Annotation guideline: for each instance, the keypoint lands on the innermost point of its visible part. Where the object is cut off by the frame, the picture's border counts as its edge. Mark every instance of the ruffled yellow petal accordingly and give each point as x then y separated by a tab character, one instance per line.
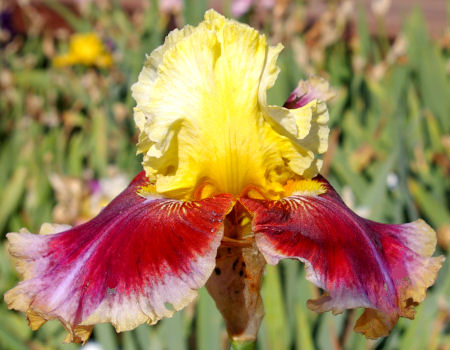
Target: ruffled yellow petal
203	117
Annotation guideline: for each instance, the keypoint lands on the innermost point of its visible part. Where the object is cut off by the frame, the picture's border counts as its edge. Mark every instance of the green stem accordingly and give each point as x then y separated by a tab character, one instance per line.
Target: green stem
243	345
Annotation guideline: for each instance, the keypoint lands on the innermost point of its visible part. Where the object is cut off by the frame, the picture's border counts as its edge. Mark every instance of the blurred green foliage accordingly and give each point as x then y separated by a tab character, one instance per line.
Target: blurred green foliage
389	153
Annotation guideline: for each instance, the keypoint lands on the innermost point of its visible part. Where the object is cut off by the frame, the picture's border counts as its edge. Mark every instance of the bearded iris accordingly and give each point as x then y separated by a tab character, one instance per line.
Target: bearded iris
230	183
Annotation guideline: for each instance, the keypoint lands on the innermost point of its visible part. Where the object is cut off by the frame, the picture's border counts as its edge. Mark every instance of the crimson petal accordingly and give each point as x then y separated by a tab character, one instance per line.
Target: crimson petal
358	262
141	254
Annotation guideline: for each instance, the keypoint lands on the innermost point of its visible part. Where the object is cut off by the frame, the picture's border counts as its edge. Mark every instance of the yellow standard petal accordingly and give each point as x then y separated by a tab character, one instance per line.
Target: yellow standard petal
203	118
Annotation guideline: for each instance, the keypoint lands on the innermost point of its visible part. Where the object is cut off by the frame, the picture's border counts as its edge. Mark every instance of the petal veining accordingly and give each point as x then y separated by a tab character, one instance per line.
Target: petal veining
141	253
203	116
359	263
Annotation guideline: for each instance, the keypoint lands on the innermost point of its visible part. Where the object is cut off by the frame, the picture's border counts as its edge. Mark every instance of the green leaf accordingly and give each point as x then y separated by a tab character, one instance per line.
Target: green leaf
173	332
275	319
376	193
434	209
128	341
425	59
8	342
209	325
194	10
12	194
106	336
304	332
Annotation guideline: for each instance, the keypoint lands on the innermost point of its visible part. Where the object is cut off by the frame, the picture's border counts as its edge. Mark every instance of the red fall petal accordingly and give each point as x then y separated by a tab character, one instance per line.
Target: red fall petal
141	254
357	262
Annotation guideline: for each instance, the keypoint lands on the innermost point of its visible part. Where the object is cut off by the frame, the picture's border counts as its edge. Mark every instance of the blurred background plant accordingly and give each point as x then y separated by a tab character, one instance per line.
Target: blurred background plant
67	142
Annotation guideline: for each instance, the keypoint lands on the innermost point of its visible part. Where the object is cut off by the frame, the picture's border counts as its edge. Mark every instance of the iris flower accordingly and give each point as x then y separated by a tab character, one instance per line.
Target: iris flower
230	183
86	49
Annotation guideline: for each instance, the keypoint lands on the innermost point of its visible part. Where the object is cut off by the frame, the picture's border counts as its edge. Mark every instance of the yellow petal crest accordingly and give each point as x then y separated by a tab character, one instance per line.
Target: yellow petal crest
203	117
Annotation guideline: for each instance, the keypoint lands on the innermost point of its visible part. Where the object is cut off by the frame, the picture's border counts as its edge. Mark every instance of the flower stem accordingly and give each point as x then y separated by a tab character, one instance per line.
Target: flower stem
243	345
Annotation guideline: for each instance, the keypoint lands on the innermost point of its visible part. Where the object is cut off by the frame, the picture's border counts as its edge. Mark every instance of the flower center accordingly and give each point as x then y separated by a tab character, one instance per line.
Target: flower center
238	226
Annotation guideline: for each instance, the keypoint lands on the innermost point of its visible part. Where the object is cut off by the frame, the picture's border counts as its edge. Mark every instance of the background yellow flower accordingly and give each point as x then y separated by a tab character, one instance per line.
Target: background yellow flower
86	49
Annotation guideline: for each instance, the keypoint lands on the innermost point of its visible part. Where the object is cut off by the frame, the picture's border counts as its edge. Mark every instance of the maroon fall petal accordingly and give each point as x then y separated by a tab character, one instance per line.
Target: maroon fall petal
139	260
357	262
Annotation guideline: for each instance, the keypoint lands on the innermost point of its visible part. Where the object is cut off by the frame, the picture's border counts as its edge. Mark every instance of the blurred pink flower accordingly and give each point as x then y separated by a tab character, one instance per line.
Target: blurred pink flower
170	6
240	7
